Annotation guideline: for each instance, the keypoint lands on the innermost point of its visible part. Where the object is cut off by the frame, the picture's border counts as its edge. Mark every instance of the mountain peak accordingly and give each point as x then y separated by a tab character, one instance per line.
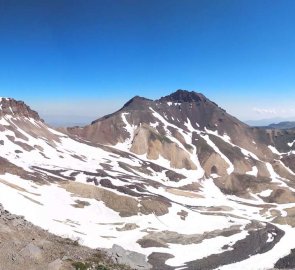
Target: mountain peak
16	108
136	102
183	96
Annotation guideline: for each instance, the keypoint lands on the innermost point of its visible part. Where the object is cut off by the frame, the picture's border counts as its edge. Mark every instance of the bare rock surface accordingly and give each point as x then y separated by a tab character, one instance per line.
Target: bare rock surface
14	107
25	246
134	259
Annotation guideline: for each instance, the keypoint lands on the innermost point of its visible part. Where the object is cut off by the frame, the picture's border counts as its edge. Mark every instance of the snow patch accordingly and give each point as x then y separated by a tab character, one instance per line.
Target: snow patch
253	172
274	150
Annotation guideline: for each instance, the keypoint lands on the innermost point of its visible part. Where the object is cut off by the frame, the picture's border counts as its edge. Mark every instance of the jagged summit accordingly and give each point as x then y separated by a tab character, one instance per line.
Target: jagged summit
10	106
177	108
184	96
179	96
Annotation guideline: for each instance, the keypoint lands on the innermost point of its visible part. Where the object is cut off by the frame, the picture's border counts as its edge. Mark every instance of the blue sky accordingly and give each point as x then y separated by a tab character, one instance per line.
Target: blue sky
85	58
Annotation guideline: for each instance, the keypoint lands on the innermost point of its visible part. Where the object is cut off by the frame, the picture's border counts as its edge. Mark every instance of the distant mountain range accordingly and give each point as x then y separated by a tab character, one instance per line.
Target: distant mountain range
282	125
268	122
177	180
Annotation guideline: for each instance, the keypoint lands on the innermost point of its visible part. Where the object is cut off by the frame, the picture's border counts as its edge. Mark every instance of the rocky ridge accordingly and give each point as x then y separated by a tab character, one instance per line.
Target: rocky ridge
14	108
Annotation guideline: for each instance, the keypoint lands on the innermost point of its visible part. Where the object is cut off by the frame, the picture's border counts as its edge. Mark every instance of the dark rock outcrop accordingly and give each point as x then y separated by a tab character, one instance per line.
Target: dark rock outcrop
9	106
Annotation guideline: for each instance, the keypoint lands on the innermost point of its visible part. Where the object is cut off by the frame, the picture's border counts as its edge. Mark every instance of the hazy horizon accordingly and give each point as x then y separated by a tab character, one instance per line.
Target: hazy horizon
82	112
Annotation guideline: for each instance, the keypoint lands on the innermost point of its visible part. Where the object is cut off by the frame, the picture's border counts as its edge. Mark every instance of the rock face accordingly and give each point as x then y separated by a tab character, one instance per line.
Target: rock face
134	259
148	141
15	220
12	107
31	251
181	96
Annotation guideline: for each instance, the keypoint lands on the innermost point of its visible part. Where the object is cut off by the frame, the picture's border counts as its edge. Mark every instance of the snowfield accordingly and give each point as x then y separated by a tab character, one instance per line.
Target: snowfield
104	195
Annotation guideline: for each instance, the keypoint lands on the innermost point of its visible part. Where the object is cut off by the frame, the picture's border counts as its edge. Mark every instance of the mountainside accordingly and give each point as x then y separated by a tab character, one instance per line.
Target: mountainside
282	125
191	132
176	179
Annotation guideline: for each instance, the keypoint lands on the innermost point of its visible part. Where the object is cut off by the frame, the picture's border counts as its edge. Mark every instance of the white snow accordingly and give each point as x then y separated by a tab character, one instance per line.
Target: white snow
204	249
274	150
253	172
268	259
265	193
270	238
227	139
94	224
154	125
196	174
230	168
291	143
130	129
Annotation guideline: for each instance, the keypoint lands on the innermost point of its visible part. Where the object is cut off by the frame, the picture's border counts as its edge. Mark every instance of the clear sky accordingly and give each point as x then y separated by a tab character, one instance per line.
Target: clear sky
85	58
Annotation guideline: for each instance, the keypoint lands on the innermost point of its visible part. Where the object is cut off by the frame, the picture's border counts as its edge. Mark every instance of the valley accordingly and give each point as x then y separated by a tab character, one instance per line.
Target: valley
177	180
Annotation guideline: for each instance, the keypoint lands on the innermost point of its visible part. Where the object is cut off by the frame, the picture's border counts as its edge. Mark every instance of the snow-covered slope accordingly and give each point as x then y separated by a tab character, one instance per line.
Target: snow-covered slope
177	179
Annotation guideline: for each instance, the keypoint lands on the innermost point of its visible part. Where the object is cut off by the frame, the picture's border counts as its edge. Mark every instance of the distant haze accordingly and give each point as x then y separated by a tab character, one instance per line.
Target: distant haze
266	122
78	113
74	113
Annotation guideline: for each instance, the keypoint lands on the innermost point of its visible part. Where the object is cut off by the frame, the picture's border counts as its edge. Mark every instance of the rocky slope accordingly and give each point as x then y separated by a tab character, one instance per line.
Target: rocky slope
190	131
176	179
25	246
